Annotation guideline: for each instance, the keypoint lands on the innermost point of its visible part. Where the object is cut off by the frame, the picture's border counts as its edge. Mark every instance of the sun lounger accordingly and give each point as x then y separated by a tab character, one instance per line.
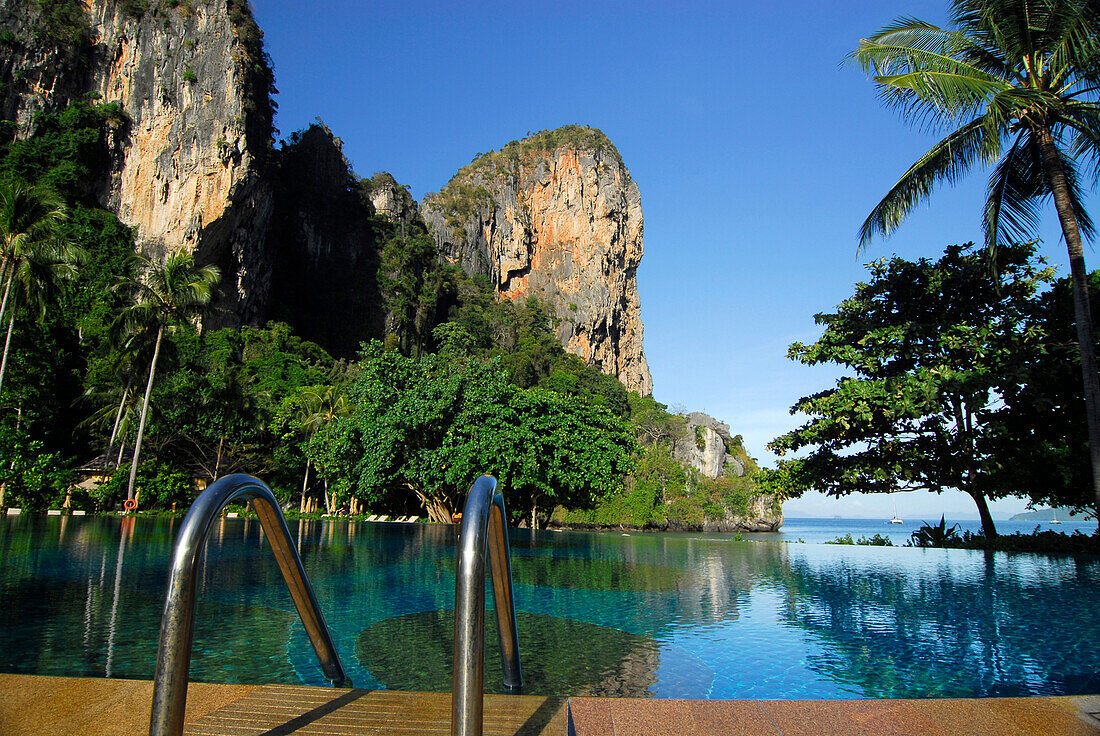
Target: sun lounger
53	512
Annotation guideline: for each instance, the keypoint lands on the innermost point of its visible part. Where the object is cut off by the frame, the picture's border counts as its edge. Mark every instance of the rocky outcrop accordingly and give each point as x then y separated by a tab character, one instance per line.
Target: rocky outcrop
556	216
706	447
187	171
390	199
322	246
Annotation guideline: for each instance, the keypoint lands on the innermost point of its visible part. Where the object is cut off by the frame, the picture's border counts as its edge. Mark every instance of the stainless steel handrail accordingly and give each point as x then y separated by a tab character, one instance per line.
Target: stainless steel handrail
178	621
484	526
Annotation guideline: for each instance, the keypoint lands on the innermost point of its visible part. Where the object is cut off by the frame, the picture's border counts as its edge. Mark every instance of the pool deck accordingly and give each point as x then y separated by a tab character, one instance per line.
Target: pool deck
32	705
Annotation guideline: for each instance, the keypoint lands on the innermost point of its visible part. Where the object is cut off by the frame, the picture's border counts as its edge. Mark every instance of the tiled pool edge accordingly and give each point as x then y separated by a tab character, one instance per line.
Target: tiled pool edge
34	705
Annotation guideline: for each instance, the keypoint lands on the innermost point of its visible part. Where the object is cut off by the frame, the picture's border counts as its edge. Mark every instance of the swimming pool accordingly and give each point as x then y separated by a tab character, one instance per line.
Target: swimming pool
670	615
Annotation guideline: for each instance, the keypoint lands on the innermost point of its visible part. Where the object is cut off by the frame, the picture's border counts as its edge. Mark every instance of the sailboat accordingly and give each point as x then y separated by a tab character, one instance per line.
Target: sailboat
894	519
1054	519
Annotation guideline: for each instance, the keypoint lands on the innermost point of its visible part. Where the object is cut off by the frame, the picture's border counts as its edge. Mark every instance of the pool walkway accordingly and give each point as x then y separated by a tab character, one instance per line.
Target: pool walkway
33	705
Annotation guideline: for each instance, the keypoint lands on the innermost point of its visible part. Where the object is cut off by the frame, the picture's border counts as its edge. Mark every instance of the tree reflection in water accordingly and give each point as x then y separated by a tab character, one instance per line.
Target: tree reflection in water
949	623
682	615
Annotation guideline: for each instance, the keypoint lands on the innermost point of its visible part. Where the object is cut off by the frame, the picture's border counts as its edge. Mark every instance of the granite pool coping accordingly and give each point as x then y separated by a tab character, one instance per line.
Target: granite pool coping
36	705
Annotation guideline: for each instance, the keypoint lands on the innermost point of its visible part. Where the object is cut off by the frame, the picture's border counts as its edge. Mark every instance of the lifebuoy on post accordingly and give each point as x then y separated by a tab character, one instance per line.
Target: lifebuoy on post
130	504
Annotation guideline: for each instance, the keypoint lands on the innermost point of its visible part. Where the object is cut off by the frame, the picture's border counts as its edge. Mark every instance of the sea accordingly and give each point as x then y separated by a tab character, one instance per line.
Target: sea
820	531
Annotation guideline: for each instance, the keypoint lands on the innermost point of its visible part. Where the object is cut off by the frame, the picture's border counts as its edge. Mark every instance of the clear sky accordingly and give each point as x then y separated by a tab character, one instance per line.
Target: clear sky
757	153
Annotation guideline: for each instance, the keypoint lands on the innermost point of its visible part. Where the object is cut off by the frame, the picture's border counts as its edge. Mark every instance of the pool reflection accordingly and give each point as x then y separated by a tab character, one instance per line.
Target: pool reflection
686	615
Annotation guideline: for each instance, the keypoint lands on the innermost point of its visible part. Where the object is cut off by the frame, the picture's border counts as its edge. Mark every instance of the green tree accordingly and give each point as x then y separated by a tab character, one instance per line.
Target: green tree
1015	73
417	426
426	427
1045	421
934	347
552	449
166	296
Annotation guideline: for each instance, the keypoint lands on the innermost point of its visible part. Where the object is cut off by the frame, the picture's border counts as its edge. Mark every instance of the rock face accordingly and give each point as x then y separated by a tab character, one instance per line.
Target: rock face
322	246
555	216
187	171
390	199
706	447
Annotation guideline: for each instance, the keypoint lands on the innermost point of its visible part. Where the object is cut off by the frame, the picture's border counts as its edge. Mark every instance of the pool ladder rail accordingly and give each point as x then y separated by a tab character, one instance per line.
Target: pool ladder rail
484	529
178	620
484	532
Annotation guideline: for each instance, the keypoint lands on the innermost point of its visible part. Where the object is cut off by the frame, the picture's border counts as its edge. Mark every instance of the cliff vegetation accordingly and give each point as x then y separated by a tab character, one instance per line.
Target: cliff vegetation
359	366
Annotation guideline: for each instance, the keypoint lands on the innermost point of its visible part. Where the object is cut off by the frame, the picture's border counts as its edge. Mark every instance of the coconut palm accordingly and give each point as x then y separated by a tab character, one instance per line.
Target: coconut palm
36	270
167	296
320	406
1014	84
28	216
131	351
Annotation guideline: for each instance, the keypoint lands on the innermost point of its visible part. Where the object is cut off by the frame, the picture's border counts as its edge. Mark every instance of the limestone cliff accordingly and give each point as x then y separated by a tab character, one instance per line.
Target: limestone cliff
194	83
322	246
706	447
557	216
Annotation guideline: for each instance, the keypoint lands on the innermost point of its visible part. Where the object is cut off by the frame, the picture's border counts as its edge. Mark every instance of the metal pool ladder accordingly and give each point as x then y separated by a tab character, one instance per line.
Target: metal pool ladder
484	527
178	620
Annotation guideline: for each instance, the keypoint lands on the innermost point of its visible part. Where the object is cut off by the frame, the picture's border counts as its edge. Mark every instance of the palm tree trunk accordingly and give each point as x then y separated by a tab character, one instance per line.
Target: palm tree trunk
1059	187
118	421
7	287
218	461
7	346
144	411
305	483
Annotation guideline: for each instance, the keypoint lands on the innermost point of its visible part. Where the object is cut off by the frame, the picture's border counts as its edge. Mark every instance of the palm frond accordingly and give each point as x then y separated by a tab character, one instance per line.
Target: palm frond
943	98
948	160
1012	207
1083	118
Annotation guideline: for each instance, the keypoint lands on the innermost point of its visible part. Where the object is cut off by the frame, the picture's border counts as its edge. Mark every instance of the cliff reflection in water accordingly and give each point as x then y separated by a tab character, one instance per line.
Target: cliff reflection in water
671	615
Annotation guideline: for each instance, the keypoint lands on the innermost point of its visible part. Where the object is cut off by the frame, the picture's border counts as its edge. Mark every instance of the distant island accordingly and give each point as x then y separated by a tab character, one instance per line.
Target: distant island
1063	514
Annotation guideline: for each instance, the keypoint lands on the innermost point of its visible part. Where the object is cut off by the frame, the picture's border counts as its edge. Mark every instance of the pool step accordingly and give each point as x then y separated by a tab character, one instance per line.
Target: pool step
307	711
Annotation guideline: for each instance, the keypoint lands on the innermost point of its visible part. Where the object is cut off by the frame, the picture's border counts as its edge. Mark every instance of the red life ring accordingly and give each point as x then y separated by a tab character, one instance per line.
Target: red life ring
129	504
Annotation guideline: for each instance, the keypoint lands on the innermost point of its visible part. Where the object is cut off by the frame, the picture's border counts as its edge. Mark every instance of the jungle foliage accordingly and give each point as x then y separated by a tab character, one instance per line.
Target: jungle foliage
460	383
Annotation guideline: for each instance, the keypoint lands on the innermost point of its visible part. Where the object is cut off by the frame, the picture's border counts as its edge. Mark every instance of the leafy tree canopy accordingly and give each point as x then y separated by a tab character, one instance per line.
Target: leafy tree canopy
426	426
932	347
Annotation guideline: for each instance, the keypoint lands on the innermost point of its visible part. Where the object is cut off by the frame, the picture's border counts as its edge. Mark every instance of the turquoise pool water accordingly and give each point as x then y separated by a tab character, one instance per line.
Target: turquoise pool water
695	616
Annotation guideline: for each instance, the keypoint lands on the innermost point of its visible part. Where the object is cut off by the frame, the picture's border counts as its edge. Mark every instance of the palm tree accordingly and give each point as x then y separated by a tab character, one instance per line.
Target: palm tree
28	216
1015	83
167	296
131	351
320	406
36	269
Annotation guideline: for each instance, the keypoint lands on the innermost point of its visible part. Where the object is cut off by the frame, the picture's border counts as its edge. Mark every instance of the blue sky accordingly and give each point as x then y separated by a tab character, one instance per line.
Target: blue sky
756	152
